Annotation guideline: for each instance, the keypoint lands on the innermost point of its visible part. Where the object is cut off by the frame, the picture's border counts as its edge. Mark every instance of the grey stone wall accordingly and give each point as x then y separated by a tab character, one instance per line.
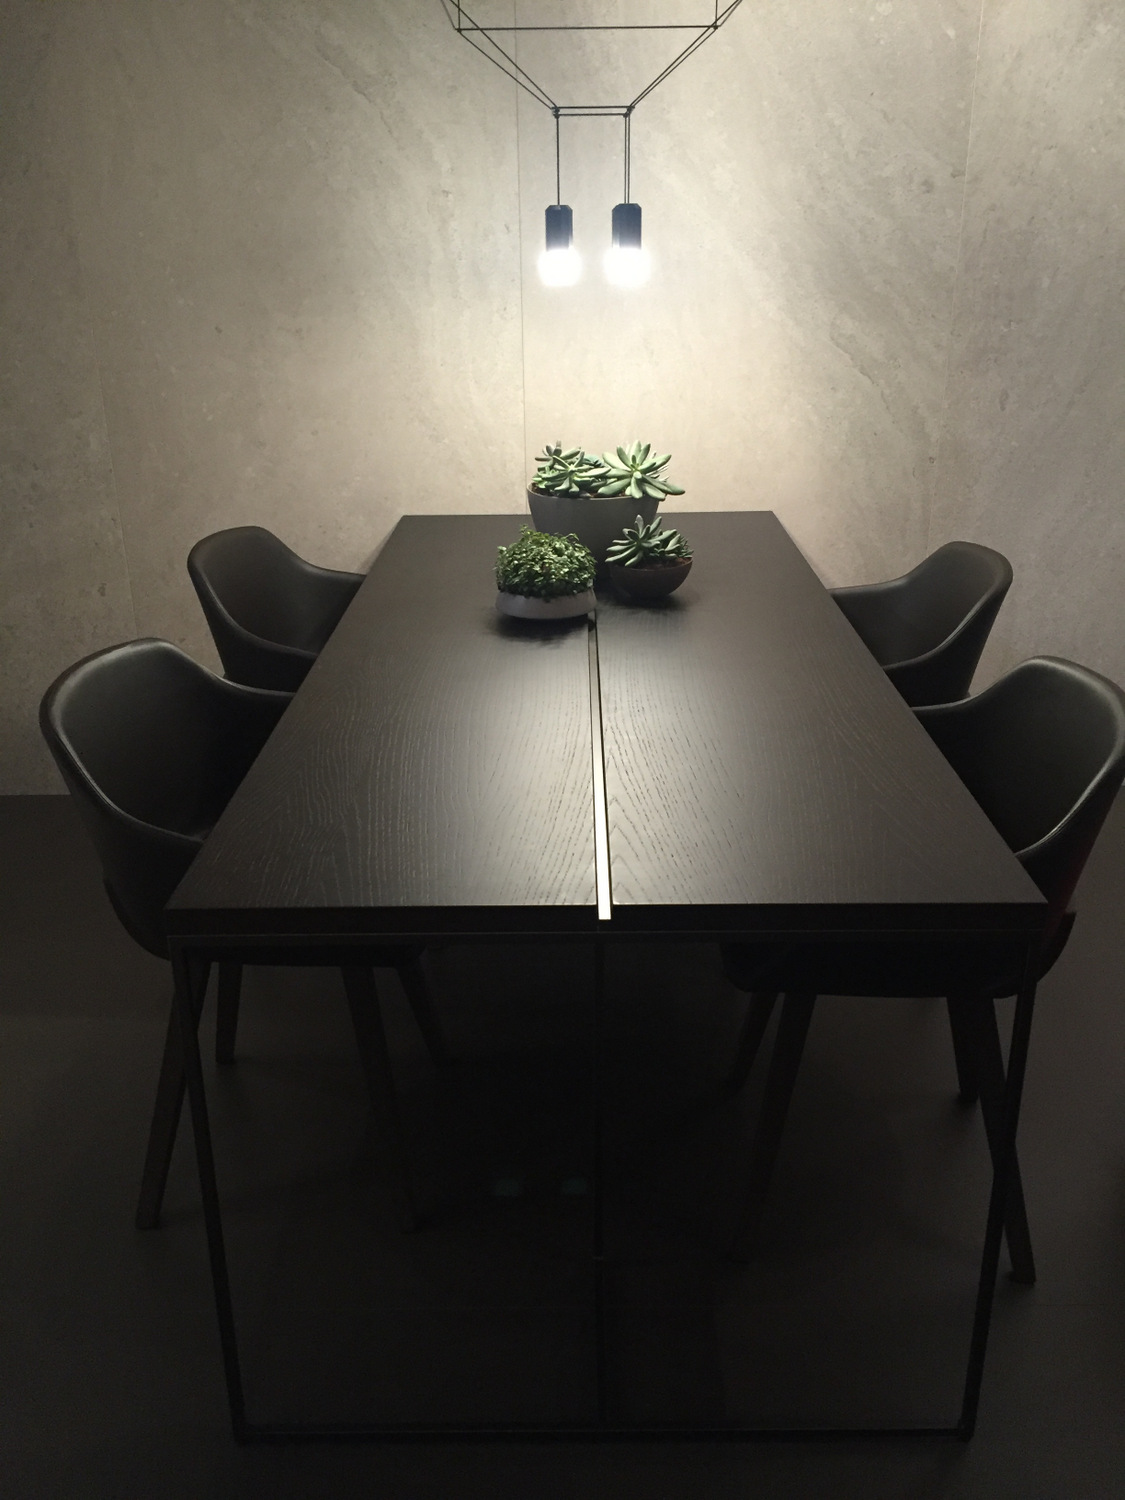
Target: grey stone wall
273	261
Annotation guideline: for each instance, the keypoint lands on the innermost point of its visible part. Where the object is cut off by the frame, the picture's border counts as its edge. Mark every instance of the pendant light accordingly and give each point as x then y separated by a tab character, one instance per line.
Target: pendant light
559	262
626	261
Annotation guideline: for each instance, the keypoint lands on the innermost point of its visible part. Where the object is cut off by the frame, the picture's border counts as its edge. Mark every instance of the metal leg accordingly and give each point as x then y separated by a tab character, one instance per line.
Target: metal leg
758	1014
600	1348
1003	1161
973	1018
190	977
968	1085
226	1019
363	1000
793	1028
990	1066
165	1119
416	986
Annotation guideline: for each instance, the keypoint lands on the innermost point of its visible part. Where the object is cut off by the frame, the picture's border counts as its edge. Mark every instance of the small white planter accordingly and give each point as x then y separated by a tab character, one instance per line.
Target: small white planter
562	608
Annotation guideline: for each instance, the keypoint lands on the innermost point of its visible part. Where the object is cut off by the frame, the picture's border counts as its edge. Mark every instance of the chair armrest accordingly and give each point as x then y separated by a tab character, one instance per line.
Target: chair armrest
333	590
950	725
249	716
878	614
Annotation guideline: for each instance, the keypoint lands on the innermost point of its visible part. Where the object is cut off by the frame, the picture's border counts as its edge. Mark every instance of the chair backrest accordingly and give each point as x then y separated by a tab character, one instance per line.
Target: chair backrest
929	627
1043	752
151	746
269	611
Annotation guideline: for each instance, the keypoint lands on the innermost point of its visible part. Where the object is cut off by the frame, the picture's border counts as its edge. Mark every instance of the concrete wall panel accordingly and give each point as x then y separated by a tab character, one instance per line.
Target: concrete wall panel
274	261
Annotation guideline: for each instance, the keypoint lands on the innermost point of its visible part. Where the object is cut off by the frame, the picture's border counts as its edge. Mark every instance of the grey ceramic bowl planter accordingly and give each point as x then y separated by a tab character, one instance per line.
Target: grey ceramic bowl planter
656	581
596	521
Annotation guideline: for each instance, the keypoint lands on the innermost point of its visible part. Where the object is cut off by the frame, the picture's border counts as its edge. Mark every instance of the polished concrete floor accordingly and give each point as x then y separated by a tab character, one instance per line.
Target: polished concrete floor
854	1311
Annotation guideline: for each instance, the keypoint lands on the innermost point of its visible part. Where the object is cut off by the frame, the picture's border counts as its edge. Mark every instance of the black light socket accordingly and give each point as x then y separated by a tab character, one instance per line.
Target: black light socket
626	226
560	226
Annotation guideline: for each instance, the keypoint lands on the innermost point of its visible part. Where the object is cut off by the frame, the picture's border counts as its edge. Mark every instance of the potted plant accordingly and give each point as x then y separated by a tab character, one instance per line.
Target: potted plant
575	492
648	562
542	576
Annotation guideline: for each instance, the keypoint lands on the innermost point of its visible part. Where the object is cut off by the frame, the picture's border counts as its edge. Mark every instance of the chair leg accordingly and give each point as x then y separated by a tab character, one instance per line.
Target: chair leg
968	1085
793	1028
371	1039
165	1117
758	1014
226	1019
412	976
980	1023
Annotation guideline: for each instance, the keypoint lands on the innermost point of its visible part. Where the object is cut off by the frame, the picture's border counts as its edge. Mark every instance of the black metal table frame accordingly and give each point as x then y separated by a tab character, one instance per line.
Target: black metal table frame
191	956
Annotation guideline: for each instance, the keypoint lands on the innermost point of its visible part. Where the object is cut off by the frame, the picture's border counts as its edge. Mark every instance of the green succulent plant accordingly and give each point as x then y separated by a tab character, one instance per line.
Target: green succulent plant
540	565
647	544
637	472
568	471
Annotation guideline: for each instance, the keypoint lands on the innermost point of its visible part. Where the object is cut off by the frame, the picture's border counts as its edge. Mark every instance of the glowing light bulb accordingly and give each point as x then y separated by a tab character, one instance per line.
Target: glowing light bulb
560	266
627	265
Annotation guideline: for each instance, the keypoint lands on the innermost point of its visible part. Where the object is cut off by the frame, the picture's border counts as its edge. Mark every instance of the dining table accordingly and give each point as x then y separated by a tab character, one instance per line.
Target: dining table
727	763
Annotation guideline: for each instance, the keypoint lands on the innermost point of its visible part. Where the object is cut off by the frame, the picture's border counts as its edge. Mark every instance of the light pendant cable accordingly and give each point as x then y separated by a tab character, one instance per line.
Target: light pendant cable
559	262
626	260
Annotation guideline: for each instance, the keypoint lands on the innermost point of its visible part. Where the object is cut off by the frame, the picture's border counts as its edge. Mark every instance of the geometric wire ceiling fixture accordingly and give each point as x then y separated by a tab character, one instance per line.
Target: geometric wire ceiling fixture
626	263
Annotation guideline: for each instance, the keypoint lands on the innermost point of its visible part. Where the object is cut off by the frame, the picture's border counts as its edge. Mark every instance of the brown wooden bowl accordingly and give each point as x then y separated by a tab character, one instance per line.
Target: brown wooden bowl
654	582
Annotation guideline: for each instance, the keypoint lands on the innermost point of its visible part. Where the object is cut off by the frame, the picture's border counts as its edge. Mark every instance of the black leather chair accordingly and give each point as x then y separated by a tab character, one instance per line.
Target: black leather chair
928	628
151	746
269	611
1043	752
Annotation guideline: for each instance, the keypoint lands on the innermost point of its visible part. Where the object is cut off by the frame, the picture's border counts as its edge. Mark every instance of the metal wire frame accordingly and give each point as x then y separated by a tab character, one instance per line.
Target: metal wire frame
465	26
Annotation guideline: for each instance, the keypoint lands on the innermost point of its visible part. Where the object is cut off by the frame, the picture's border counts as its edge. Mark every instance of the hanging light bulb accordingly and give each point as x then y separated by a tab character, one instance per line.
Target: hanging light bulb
626	262
559	263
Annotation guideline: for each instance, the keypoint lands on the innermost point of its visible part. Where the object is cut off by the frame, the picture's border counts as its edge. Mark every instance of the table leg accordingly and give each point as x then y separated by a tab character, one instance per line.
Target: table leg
1003	1161
599	1185
758	1012
978	1024
190	975
792	1029
165	1118
374	1055
226	1015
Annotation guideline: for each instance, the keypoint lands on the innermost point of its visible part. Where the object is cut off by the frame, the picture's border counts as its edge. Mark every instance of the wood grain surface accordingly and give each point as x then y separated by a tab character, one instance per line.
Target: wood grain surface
762	772
433	773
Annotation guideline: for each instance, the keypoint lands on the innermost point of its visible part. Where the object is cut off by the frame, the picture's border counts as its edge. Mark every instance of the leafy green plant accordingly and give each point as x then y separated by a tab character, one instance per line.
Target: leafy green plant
540	565
638	472
647	546
568	471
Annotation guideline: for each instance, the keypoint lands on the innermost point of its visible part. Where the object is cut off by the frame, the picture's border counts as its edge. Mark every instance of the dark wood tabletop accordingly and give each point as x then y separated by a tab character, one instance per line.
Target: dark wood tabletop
761	770
436	772
433	773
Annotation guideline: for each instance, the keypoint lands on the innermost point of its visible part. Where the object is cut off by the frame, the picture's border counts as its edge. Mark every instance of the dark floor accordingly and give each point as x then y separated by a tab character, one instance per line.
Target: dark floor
856	1310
